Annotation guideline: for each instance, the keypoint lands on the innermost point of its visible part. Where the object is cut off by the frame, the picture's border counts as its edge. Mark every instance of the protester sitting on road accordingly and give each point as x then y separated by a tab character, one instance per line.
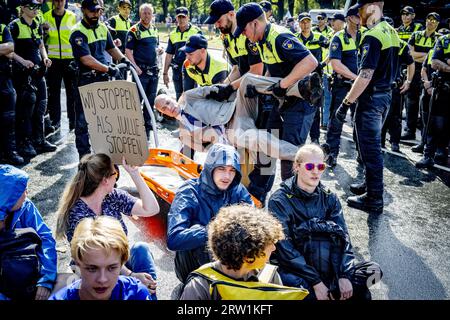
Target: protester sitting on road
317	253
241	239
17	212
100	248
197	201
232	120
91	193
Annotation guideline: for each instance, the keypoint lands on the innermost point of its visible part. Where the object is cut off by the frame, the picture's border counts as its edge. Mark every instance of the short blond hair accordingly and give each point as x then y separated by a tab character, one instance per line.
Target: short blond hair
146	5
103	232
308	149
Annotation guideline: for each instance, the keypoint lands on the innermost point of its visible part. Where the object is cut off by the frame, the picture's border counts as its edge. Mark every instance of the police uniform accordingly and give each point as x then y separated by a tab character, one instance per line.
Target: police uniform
421	43
280	52
241	52
144	43
344	48
31	89
405	32
120	27
438	131
88	40
327	32
60	52
379	49
215	71
393	121
315	43
177	39
8	109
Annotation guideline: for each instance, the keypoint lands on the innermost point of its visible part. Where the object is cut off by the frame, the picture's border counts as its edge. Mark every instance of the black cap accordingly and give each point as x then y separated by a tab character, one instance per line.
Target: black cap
389	20
195	42
304	15
247	13
444	31
338	16
434	15
90	5
266	5
322	14
125	2
27	2
352	11
361	3
407	9
217	9
181	11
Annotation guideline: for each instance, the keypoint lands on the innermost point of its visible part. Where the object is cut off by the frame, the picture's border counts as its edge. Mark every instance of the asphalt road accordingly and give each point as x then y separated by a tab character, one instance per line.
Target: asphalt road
410	240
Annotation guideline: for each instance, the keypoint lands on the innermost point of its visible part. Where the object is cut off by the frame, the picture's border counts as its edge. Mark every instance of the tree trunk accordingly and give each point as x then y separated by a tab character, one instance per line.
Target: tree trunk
280	9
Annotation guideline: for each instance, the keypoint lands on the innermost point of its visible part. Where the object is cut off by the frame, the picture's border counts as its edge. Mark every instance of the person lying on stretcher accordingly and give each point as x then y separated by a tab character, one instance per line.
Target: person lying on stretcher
203	119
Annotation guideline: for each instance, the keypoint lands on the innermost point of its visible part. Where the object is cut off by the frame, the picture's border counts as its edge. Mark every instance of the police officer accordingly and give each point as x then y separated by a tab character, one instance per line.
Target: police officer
420	43
143	49
408	26
8	98
371	90
322	26
89	39
438	136
201	68
315	42
337	22
267	7
29	81
121	23
242	54
59	22
344	60
174	57
285	57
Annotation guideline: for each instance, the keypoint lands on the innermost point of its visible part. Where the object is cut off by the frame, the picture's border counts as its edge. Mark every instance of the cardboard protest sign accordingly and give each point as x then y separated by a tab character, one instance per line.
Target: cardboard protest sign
114	116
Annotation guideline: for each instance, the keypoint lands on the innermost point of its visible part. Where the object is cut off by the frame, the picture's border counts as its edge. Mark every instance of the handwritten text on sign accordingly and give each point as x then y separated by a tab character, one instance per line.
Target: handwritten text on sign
114	116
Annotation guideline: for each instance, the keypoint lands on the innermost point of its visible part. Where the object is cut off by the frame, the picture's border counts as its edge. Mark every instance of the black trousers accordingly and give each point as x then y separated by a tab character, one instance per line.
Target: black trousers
412	100
187	261
7	115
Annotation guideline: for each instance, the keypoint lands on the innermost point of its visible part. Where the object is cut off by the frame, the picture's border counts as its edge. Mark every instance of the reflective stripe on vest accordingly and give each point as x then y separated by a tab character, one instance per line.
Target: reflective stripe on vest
424	42
93	35
236	47
268	49
178	36
150	32
121	25
2	27
405	35
58	39
205	79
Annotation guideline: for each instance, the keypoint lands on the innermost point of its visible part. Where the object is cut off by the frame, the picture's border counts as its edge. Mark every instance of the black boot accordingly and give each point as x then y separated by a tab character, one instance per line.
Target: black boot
418	148
441	157
26	149
44	146
366	203
358	188
12	157
425	163
395	147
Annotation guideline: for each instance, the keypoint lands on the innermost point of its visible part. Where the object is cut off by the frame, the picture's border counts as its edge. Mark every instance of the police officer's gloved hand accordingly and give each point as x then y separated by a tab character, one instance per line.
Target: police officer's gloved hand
114	72
277	91
224	91
341	112
126	61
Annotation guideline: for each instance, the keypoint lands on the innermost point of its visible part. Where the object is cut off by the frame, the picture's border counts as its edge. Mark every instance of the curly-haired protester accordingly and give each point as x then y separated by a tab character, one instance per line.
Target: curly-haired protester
241	239
317	253
100	248
91	193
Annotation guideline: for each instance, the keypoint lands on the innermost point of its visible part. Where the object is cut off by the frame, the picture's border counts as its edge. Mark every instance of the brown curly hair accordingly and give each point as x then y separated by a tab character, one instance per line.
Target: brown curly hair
240	233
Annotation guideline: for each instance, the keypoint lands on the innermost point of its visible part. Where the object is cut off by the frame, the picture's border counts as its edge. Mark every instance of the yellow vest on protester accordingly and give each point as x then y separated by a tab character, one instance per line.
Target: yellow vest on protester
58	39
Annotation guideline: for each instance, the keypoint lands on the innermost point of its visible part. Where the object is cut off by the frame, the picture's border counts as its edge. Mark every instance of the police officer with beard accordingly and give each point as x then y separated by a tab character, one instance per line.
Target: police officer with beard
89	40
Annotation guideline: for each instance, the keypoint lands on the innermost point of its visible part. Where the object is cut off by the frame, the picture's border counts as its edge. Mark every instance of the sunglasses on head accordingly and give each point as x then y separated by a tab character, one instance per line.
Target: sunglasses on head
311	166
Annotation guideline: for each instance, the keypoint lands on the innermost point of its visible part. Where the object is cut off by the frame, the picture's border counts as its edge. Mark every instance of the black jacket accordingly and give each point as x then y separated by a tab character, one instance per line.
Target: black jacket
302	214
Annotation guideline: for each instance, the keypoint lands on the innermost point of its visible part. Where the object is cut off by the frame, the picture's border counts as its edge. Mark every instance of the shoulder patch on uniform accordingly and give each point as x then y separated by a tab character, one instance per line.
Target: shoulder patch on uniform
365	49
79	40
130	37
334	46
253	48
288	44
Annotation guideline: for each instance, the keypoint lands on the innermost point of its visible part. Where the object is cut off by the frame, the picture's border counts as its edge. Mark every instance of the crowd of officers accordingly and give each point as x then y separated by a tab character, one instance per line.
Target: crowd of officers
41	48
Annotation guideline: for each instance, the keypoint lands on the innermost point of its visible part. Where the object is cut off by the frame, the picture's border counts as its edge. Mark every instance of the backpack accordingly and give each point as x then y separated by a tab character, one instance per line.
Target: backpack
223	287
19	263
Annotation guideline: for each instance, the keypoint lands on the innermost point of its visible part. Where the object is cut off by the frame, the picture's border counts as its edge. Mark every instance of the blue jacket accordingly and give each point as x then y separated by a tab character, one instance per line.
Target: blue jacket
198	200
13	183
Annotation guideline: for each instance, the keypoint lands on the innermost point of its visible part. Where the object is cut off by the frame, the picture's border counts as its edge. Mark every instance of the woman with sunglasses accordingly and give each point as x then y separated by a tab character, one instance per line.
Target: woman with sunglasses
317	253
91	193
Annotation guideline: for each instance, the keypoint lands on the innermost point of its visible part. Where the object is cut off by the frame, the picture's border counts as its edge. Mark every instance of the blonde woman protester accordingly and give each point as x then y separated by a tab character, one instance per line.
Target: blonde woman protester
91	193
100	248
241	239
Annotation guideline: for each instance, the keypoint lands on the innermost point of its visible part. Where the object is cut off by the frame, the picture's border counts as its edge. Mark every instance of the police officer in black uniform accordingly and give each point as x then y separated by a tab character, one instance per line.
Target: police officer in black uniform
439	124
284	56
8	101
174	56
121	23
420	43
89	40
29	70
409	26
372	91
